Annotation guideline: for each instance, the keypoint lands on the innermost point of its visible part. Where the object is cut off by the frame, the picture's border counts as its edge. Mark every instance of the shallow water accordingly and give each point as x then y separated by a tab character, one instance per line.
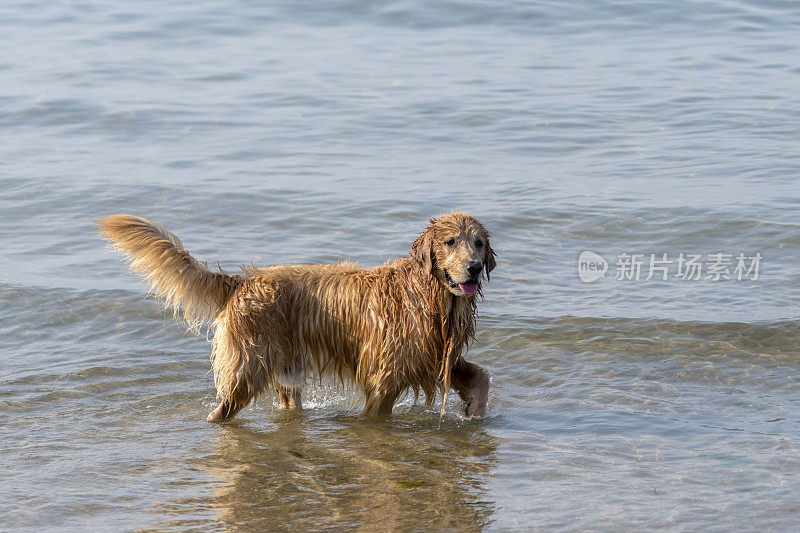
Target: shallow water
310	133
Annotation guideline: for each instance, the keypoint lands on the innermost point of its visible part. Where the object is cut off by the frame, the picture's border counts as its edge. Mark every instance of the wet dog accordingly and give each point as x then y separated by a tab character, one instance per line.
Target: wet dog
401	326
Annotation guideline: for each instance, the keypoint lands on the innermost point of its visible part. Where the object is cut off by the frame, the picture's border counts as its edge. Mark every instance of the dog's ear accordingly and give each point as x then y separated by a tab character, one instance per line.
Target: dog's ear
490	260
422	249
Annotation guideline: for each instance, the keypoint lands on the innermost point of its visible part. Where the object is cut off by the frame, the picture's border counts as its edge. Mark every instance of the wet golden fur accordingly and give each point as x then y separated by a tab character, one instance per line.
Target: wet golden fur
400	326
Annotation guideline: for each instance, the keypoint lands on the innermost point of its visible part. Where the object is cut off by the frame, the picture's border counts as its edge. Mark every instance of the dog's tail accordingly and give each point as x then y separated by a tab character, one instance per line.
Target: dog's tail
174	276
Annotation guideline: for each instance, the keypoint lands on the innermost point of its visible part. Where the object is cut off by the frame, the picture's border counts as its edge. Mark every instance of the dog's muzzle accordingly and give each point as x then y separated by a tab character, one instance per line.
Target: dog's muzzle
469	286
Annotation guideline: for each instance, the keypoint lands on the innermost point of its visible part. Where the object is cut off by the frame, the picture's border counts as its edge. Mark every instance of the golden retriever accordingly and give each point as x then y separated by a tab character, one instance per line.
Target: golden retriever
389	329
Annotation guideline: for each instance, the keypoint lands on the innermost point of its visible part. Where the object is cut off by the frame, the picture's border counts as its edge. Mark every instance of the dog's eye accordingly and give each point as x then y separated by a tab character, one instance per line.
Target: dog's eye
479	244
450	242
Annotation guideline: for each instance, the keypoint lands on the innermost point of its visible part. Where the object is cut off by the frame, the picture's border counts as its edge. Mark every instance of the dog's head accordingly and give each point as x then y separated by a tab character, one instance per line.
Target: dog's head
455	250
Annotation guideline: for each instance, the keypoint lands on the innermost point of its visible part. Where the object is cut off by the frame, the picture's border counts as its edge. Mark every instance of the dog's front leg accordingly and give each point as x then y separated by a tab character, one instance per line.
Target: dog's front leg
472	384
380	401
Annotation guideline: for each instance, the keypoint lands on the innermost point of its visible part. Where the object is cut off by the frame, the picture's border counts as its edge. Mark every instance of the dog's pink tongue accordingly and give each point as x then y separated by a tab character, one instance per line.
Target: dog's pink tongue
469	287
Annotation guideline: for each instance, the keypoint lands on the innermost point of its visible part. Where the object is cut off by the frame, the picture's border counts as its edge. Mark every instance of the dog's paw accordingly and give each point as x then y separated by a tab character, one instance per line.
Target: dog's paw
474	409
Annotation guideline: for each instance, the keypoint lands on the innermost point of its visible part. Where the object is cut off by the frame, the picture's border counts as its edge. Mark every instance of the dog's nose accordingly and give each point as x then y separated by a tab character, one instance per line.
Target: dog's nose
475	268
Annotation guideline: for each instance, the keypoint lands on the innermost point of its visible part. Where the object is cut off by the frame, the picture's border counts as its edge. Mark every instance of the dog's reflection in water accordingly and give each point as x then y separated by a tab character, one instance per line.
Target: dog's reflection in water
313	471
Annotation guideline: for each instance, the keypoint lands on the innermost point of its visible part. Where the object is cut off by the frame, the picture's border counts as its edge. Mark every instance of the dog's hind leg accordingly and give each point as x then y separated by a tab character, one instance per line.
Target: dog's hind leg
290	398
472	384
235	402
290	385
240	376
